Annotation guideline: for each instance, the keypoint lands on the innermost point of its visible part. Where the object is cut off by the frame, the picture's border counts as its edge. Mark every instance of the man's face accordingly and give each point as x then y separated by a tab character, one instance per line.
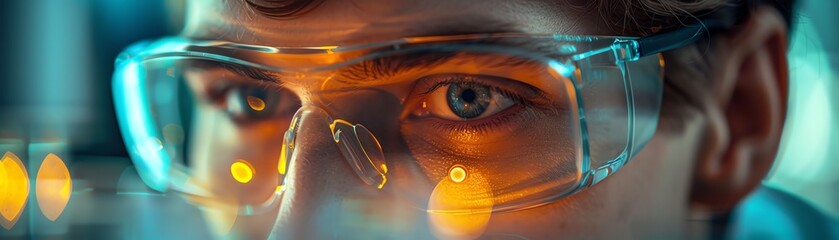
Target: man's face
324	196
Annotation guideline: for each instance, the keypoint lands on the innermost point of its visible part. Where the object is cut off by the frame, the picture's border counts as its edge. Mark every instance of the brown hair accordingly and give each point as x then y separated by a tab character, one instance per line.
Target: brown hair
641	17
282	9
630	16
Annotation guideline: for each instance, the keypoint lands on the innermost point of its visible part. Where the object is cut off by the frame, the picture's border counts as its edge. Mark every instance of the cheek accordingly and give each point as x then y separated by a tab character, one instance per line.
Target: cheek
581	215
218	143
656	183
535	151
649	192
531	149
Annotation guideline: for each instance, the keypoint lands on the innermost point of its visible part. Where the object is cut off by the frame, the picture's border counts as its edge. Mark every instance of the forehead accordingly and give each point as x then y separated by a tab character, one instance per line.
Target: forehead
345	22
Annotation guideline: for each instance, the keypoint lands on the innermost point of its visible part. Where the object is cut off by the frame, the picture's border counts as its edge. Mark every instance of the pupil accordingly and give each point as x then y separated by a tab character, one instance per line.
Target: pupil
468	100
468	95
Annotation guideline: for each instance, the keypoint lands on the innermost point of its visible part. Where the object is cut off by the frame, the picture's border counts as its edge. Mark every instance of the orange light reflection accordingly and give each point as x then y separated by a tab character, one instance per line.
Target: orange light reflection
15	189
281	167
257	104
242	171
53	186
460	210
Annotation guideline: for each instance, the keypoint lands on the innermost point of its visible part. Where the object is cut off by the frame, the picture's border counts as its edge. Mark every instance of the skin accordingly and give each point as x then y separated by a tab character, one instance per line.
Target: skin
717	137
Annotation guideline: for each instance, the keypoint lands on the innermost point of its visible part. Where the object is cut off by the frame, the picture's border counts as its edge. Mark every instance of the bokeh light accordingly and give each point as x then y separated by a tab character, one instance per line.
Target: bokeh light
457	173
460	210
15	191
242	171
282	165
53	186
257	104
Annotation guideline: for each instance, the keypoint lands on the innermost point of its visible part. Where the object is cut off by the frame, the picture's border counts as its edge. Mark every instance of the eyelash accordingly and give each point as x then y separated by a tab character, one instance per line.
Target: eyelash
520	100
253	73
525	107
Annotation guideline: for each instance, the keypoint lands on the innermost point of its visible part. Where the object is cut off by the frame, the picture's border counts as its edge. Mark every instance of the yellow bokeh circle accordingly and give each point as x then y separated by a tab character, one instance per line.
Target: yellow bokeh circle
242	171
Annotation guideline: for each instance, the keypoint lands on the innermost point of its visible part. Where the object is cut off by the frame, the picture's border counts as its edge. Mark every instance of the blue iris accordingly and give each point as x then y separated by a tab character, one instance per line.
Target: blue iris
468	100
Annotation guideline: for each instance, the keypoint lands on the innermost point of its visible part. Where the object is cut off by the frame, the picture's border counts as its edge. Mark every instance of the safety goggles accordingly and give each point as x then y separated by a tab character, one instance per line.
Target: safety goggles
468	123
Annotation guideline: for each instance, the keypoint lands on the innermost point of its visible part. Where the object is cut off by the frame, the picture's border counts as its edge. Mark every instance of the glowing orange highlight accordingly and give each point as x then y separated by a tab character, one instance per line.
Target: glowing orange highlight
14	189
460	210
281	167
661	60
53	186
242	171
457	173
3	179
257	104
329	49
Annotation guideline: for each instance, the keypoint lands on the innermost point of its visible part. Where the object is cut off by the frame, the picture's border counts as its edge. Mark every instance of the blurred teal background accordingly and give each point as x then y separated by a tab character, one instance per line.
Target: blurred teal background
55	97
808	162
56	90
58	61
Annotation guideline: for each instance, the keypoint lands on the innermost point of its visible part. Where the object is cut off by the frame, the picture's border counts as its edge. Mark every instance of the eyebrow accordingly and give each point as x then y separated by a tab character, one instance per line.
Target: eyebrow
382	68
388	66
441	27
363	71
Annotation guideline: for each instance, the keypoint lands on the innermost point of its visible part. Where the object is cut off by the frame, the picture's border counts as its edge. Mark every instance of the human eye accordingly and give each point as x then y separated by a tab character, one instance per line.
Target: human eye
248	103
243	94
463	98
466	100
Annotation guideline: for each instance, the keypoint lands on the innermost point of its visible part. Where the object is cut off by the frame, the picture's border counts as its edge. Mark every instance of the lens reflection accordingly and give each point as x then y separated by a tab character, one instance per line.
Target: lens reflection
457	173
242	171
257	104
16	189
53	186
450	197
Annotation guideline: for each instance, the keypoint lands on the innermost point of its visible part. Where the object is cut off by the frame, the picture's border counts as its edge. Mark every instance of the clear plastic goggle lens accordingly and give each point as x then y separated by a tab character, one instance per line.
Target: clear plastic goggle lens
492	126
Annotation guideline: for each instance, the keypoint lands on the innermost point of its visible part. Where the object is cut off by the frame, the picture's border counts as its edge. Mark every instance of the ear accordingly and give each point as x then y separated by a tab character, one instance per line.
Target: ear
746	112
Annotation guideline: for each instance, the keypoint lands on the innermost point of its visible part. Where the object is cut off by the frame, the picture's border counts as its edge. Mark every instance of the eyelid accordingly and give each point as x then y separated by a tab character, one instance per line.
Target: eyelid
518	91
223	78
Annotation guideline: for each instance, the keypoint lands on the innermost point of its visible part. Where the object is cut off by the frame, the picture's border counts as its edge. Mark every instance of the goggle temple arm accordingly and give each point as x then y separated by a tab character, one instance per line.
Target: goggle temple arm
681	37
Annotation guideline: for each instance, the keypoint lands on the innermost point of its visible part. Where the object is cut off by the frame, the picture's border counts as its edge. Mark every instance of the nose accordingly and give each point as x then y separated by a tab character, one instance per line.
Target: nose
318	179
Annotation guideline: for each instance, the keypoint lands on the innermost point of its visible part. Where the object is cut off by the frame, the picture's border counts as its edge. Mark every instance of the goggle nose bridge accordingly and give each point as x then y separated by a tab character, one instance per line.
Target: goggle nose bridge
356	143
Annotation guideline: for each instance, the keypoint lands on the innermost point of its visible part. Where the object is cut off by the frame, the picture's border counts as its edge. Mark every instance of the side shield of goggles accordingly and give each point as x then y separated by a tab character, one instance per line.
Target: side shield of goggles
493	122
